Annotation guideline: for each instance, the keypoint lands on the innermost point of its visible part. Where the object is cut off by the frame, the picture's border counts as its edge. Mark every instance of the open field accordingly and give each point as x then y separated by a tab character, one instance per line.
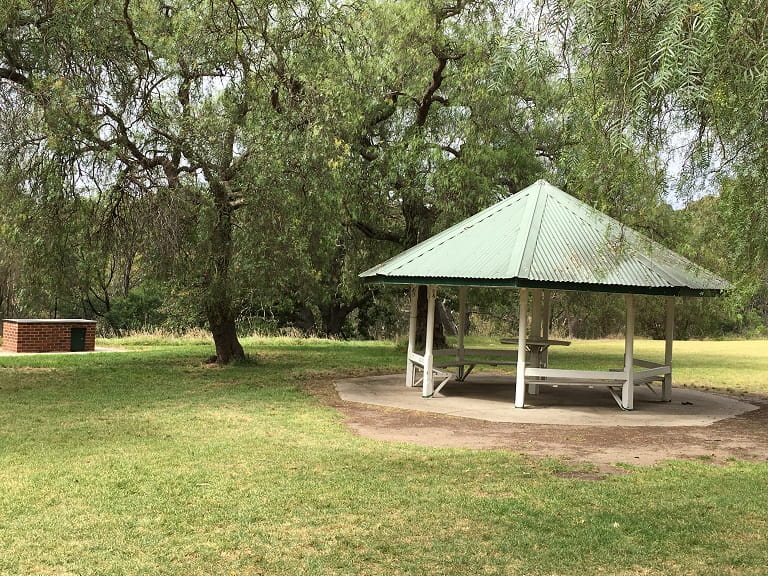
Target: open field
733	366
150	462
730	365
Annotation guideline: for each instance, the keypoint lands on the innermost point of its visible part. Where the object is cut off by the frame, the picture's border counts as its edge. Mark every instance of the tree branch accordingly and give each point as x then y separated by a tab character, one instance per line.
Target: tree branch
16	77
123	137
138	43
377	233
450	149
381	113
430	97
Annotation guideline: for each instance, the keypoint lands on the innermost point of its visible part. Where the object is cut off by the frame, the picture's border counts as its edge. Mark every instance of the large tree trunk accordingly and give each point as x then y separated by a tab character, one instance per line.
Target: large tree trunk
419	220
224	331
421	324
332	318
219	306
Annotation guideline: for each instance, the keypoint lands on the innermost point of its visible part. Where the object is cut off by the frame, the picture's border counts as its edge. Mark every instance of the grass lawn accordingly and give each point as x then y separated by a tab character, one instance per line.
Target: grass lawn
733	366
149	462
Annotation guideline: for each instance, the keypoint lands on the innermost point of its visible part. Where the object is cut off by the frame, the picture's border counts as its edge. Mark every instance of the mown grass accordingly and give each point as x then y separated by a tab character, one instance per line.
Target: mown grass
150	462
735	366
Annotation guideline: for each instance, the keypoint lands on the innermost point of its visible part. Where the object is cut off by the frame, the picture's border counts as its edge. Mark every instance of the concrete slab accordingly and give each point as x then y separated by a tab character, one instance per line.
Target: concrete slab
490	397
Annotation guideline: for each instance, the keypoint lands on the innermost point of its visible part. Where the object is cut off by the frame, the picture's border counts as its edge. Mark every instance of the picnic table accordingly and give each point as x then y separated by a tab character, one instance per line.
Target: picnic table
538	348
464	360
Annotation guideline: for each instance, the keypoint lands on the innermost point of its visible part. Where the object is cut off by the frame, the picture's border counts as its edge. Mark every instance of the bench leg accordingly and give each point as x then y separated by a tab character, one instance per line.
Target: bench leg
446	378
465	373
616	396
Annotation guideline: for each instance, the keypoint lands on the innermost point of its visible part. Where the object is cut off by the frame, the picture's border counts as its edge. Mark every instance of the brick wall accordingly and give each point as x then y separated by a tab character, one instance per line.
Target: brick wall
42	336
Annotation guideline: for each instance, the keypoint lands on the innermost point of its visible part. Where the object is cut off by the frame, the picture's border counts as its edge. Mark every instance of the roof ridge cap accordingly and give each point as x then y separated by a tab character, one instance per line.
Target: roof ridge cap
534	229
516	261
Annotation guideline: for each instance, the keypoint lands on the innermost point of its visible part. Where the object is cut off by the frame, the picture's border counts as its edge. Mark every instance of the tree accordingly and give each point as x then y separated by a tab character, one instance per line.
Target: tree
429	132
183	102
688	76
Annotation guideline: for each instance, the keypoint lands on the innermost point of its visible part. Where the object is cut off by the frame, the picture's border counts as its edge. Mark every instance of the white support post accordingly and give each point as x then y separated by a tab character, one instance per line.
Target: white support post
666	387
410	374
628	389
536	317
546	319
546	314
462	331
428	385
522	329
536	306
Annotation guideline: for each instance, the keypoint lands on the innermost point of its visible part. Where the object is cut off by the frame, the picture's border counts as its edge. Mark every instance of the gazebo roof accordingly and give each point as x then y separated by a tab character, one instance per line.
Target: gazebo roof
542	237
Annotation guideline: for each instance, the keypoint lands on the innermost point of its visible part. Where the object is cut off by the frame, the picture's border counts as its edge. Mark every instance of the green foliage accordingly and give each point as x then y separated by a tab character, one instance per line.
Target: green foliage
140	310
150	462
205	163
680	74
178	106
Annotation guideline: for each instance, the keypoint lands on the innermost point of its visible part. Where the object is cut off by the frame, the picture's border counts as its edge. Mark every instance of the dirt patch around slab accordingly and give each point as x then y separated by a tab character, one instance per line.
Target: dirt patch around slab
744	437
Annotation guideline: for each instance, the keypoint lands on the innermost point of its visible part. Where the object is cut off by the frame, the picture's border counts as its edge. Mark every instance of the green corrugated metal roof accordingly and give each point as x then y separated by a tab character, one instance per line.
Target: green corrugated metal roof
542	237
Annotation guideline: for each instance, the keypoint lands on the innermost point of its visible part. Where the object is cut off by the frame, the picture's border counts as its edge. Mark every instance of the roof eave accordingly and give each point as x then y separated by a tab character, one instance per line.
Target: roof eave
549	285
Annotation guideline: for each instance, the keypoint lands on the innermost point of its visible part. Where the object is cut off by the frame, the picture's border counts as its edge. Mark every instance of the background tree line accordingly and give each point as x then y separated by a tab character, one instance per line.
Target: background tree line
234	165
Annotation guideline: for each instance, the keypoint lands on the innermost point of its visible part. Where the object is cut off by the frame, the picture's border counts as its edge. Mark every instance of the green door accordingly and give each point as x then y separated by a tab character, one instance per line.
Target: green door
78	340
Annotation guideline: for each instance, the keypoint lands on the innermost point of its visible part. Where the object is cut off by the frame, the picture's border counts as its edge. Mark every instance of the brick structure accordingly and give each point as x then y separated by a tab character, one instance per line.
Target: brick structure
40	335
